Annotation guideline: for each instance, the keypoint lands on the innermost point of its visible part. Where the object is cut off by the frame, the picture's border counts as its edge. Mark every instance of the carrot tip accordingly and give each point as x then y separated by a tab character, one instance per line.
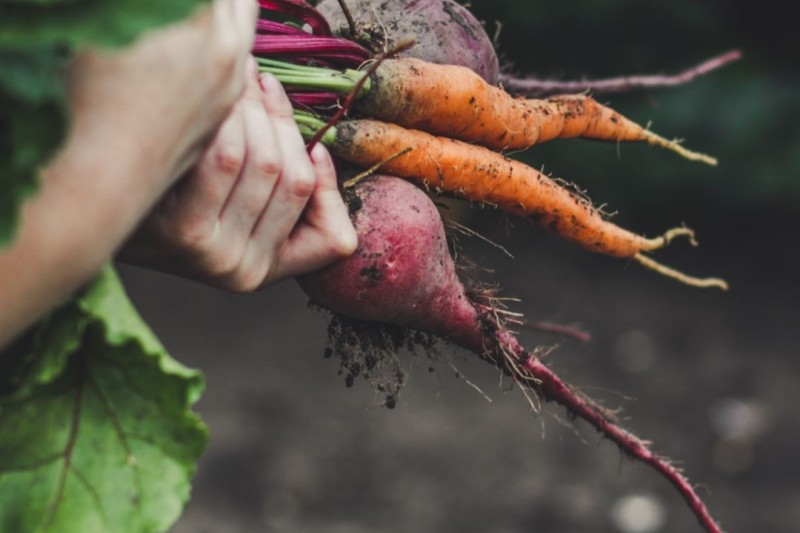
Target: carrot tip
702	283
675	146
669	236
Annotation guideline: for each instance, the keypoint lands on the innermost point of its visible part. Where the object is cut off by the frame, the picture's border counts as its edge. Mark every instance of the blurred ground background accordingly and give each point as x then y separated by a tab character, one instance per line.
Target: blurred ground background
713	379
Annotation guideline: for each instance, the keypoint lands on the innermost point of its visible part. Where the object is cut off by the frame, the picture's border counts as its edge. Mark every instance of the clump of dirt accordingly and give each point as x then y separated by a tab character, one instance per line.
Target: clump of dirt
370	351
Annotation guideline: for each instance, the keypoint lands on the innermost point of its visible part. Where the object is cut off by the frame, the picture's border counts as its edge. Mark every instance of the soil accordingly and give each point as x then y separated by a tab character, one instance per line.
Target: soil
711	378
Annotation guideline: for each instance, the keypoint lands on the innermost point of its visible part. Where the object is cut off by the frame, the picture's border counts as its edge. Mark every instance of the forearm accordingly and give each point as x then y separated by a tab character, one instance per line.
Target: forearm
140	116
91	198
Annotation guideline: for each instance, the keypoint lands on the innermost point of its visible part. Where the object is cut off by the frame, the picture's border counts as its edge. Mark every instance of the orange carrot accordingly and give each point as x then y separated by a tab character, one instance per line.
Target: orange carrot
481	175
488	177
454	101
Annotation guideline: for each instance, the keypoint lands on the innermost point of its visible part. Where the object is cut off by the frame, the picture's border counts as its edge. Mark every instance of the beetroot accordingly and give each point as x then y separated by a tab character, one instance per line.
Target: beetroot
445	31
402	272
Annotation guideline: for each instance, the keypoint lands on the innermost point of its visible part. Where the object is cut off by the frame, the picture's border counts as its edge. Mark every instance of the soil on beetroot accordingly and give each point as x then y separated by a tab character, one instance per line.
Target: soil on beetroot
711	378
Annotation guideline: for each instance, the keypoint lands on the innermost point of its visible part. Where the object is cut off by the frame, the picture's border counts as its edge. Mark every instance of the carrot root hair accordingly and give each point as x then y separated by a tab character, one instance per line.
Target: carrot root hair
668	237
700	283
352	182
675	146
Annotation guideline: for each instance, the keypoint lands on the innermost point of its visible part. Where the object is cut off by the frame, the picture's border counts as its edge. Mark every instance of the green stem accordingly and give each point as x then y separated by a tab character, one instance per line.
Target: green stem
314	78
274	63
309	125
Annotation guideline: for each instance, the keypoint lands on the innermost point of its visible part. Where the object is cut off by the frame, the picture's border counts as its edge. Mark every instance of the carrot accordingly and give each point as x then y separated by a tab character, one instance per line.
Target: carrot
454	101
482	175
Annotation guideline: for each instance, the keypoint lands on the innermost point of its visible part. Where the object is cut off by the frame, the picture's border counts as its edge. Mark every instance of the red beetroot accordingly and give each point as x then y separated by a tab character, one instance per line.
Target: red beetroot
402	274
445	31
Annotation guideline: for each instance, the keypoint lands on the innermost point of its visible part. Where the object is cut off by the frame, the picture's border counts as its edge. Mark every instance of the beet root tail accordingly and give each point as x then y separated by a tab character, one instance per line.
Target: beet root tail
529	371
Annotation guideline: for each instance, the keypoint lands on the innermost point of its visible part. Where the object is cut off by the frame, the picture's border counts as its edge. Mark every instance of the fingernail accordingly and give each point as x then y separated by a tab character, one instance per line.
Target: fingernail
319	154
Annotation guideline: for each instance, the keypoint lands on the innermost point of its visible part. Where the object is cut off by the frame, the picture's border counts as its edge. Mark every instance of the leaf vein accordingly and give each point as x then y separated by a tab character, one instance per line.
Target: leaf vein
130	458
71	439
92	493
32	466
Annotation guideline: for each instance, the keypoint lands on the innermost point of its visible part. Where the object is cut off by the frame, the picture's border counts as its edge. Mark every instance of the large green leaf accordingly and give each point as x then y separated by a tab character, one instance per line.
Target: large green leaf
96	431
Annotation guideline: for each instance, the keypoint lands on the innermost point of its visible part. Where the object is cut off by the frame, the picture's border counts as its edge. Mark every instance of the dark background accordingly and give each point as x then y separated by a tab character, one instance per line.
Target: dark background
711	378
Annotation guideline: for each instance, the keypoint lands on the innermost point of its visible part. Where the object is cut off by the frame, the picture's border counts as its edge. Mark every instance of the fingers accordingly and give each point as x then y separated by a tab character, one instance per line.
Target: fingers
326	211
200	198
296	181
256	208
325	232
262	166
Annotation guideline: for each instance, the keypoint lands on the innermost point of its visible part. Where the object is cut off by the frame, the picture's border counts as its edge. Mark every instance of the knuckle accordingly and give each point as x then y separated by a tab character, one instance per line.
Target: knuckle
223	266
269	167
228	161
301	184
193	236
244	280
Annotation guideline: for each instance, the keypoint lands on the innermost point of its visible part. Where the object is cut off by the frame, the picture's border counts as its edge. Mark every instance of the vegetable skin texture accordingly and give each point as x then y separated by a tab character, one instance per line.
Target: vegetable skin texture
484	176
401	273
446	32
455	102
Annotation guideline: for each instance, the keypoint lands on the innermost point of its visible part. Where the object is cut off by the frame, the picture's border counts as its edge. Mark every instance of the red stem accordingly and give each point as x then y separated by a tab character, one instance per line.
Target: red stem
552	388
313	99
310	46
278	28
561	329
351	98
301	10
536	87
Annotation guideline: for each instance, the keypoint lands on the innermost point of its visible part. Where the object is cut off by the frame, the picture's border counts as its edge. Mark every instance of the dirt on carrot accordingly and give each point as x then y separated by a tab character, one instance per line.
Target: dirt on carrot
455	102
481	175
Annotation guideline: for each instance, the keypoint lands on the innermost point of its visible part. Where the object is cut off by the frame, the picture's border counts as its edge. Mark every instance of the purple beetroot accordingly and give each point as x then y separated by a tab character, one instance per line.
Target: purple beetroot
445	31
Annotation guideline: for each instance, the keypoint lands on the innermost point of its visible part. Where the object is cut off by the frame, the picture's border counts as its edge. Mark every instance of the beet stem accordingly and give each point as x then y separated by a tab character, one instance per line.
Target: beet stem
301	10
536	87
538	376
561	329
355	93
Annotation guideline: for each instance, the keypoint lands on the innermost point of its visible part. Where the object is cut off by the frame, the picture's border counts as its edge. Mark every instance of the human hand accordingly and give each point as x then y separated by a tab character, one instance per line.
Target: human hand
140	117
255	209
158	102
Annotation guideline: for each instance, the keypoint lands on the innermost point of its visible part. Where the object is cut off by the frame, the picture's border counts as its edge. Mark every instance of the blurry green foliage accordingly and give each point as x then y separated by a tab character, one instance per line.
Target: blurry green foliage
745	114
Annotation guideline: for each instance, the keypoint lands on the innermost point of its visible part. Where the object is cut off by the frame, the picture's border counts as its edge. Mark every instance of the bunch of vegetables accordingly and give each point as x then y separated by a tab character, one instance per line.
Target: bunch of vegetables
434	116
97	431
